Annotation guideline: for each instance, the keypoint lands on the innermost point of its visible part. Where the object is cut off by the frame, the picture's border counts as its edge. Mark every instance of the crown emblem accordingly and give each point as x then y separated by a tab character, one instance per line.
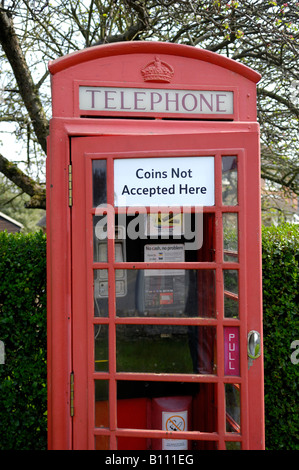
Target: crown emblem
157	71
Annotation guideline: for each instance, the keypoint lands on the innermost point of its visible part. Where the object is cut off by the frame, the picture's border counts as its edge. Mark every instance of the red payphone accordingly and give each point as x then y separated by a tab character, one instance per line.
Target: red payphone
153	251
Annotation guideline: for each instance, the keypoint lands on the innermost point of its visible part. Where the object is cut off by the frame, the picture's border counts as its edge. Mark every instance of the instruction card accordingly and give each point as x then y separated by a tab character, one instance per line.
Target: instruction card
164	253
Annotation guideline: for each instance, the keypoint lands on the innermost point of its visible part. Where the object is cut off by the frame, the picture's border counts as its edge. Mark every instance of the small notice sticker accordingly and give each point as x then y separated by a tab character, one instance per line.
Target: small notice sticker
173	422
173	253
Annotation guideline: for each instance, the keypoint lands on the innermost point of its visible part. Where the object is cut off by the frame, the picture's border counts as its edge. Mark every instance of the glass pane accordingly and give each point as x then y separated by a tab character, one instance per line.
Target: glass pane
140	405
191	240
100	246
102	442
165	349
229	181
100	249
101	403
177	237
167	293
233	407
230	237
231	290
133	443
101	348
233	445
99	188
101	293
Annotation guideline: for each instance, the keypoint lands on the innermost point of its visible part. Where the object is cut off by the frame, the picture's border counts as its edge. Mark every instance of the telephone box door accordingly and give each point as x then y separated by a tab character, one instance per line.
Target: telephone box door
166	290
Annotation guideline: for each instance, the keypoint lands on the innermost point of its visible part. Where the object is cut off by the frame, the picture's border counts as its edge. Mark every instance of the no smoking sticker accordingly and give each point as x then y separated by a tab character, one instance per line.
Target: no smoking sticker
175	423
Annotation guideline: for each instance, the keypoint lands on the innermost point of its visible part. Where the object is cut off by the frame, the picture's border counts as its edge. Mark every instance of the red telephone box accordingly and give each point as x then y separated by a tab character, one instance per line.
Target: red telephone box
154	253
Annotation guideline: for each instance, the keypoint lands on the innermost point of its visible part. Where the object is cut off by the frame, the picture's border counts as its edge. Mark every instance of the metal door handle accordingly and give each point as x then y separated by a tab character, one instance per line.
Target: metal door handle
253	344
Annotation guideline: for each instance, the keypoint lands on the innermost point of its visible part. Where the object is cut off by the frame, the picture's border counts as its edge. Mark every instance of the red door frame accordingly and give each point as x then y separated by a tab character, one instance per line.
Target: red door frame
245	143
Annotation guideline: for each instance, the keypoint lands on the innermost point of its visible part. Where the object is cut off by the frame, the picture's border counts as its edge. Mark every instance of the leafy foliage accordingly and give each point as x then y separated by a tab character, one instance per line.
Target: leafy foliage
23	330
23	394
281	299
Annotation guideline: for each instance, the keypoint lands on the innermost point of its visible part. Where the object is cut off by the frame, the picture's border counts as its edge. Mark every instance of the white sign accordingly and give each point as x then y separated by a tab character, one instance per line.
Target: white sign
170	253
153	100
186	181
172	422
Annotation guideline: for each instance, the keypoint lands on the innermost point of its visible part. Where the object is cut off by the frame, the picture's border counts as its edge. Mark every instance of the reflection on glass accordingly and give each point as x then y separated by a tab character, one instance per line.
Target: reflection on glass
231	290
99	188
230	237
233	407
100	245
165	349
100	249
168	293
101	293
233	445
101	403
229	181
101	348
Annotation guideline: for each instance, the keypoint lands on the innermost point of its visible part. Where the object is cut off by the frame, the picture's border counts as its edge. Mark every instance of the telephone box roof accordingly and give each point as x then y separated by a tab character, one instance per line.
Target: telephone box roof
147	47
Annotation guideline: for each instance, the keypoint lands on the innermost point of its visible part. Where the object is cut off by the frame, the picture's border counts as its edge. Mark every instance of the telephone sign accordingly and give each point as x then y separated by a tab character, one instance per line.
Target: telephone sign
156	100
154	251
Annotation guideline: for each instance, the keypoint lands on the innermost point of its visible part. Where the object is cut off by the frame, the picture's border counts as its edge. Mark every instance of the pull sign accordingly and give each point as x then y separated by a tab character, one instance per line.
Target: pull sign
231	351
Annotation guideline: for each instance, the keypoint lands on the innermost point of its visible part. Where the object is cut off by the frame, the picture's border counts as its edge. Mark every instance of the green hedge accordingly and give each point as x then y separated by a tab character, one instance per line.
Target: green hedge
23	399
280	299
23	396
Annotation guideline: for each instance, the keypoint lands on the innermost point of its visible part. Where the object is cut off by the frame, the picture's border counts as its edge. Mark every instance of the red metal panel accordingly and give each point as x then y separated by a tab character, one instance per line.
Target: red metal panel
58	293
152	47
191	67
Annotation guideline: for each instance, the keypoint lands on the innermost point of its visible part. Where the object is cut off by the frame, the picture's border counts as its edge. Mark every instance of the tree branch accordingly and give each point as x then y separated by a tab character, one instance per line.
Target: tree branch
134	30
24	182
128	35
28	91
280	99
